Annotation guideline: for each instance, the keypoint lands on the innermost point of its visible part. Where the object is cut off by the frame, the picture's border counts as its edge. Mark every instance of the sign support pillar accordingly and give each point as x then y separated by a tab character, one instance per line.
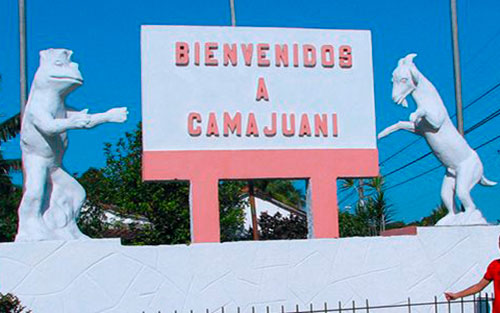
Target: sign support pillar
204	203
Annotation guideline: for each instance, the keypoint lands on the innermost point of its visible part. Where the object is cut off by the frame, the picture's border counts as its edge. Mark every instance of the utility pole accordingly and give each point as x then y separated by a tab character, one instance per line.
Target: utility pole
22	56
456	67
233	13
361	192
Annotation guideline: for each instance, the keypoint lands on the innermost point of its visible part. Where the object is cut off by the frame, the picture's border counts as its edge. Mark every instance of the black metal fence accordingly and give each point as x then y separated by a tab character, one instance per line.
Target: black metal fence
483	303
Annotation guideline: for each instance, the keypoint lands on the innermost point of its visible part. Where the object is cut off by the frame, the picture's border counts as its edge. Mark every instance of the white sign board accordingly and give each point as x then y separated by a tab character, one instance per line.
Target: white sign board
244	88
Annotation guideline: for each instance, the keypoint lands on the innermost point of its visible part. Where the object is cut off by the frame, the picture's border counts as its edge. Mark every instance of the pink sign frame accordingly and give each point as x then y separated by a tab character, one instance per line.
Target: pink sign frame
321	167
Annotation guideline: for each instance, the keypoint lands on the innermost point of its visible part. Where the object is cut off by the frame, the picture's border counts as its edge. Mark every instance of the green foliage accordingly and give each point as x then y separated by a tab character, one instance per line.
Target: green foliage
9	201
11	304
281	190
10	128
371	214
164	205
232	204
278	226
352	225
438	213
10	195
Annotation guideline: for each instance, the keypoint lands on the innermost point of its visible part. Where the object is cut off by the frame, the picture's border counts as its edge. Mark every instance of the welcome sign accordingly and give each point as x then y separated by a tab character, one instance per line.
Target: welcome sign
239	103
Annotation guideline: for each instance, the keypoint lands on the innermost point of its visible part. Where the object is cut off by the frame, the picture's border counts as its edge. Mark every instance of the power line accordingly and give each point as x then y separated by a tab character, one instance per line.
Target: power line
484	94
436	167
483	121
408	164
347	196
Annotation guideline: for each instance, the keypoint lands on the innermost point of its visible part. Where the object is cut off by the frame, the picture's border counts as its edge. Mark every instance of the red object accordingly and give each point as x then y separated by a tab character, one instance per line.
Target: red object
405	231
493	274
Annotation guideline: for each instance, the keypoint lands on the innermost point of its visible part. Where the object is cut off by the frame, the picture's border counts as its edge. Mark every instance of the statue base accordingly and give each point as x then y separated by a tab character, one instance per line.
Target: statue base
104	276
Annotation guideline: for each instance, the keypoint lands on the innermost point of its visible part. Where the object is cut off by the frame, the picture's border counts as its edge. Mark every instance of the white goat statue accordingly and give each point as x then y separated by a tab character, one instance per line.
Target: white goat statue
463	166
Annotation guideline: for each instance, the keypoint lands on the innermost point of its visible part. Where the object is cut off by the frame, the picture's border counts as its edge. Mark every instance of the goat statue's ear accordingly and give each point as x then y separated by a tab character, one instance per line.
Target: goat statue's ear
414	73
409	58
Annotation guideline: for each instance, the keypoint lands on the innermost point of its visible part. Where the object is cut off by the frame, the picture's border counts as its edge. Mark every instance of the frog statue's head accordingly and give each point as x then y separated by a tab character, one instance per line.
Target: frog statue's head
57	72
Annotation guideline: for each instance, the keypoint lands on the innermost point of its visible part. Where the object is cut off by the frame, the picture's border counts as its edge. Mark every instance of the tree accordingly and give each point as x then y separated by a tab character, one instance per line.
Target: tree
165	205
9	303
371	214
10	195
278	226
438	213
352	225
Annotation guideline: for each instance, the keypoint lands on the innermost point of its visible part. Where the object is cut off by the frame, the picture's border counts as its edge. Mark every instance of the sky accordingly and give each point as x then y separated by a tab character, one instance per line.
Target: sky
105	36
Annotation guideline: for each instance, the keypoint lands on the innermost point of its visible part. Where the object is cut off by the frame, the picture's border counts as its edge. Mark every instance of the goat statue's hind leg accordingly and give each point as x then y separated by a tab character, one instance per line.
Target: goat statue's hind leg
401	125
468	175
448	199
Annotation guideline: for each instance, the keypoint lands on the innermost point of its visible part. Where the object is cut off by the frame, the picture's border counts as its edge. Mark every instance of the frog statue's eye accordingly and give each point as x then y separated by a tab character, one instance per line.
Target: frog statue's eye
58	63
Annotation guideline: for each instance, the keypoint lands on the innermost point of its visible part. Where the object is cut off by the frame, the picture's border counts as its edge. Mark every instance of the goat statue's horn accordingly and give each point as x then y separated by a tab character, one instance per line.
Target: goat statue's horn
409	58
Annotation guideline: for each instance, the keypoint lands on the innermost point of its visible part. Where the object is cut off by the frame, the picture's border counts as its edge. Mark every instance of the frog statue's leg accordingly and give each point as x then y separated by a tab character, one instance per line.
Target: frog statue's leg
66	199
31	225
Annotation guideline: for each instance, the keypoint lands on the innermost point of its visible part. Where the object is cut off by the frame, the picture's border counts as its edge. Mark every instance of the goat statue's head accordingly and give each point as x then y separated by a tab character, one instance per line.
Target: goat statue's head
404	80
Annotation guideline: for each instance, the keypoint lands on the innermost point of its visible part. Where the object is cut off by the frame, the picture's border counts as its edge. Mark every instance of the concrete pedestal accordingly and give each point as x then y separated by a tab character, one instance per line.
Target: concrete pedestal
104	276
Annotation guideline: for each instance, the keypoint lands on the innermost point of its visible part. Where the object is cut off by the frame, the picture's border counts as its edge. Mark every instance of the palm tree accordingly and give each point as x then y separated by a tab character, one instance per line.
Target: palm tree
9	129
372	210
10	194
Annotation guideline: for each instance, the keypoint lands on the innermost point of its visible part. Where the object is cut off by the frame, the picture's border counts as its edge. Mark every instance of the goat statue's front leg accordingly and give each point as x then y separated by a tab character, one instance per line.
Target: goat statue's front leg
401	125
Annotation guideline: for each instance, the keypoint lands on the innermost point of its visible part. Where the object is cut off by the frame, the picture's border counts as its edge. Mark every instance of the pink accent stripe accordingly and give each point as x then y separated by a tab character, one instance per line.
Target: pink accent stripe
243	164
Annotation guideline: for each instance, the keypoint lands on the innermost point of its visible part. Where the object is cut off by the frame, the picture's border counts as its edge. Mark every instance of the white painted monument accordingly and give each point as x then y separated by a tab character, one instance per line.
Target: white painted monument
431	120
52	198
50	272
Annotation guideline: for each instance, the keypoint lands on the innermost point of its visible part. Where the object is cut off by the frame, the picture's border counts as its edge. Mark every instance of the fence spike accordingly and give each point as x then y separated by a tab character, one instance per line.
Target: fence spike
340	307
222	309
474	302
435	304
297	308
353	306
367	306
238	309
311	307
326	307
409	305
449	306
267	309
282	309
462	304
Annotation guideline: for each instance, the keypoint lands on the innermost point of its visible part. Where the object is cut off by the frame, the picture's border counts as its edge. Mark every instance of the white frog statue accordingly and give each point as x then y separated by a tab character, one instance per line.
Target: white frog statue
431	120
52	198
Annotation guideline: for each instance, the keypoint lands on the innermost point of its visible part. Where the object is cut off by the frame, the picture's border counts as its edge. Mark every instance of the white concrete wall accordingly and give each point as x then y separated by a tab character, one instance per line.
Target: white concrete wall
103	276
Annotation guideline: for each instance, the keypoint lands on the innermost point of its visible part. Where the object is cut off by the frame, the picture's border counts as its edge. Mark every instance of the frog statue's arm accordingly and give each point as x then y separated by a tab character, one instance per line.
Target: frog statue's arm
116	115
